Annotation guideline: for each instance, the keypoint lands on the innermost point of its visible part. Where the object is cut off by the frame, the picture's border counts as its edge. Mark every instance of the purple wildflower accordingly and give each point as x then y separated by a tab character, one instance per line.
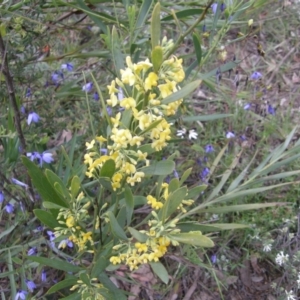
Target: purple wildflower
67	66
204	28
44	276
23	110
243	138
213	258
209	148
28	93
64	243
271	110
255	76
32	251
247	106
230	135
33	155
1	197
46	157
87	87
214	8
109	110
51	235
204	172
9	208
21	295
96	96
104	151
223	7
20	183
33	117
30	285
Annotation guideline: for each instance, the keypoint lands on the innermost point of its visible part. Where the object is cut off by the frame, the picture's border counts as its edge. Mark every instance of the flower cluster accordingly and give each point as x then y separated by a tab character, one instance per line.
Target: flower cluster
71	218
93	290
143	92
157	238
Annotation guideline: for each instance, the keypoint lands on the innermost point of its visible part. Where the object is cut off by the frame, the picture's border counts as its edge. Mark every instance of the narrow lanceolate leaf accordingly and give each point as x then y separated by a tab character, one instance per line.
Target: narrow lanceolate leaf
46	218
116	52
116	229
157	58
195	238
159	269
172	203
155	26
55	263
185	91
41	183
205	118
224	178
142	17
190	226
61	285
182	14
197	46
141	237
164	167
129	204
75	186
108	169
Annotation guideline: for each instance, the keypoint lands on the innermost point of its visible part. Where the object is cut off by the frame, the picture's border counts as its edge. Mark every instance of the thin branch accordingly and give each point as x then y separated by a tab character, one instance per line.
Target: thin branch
192	27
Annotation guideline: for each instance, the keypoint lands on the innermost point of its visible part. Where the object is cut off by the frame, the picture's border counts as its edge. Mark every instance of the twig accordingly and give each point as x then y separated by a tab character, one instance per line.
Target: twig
192	27
13	102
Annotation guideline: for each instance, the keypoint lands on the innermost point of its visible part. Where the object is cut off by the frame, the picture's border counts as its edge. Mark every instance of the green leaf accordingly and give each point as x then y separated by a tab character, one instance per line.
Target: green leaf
242	207
185	91
116	293
61	285
173	185
41	183
116	52
185	175
195	238
205	118
84	278
172	203
8	230
129	204
55	263
108	169
190	226
196	191
163	167
157	58
161	272
142	17
155	26
197	46
46	218
51	205
75	186
182	14
74	296
141	237
116	229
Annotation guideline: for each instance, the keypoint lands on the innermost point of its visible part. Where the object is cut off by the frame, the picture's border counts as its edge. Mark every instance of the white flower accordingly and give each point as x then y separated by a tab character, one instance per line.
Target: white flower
230	135
193	134
267	247
281	258
290	295
181	133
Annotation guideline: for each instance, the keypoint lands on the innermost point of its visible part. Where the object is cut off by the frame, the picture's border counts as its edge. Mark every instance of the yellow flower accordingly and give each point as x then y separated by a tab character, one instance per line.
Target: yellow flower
117	177
128	77
101	139
129	168
250	22
136	140
128	103
113	101
141	247
142	66
145	121
115	260
112	88
90	145
70	221
151	81
116	121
